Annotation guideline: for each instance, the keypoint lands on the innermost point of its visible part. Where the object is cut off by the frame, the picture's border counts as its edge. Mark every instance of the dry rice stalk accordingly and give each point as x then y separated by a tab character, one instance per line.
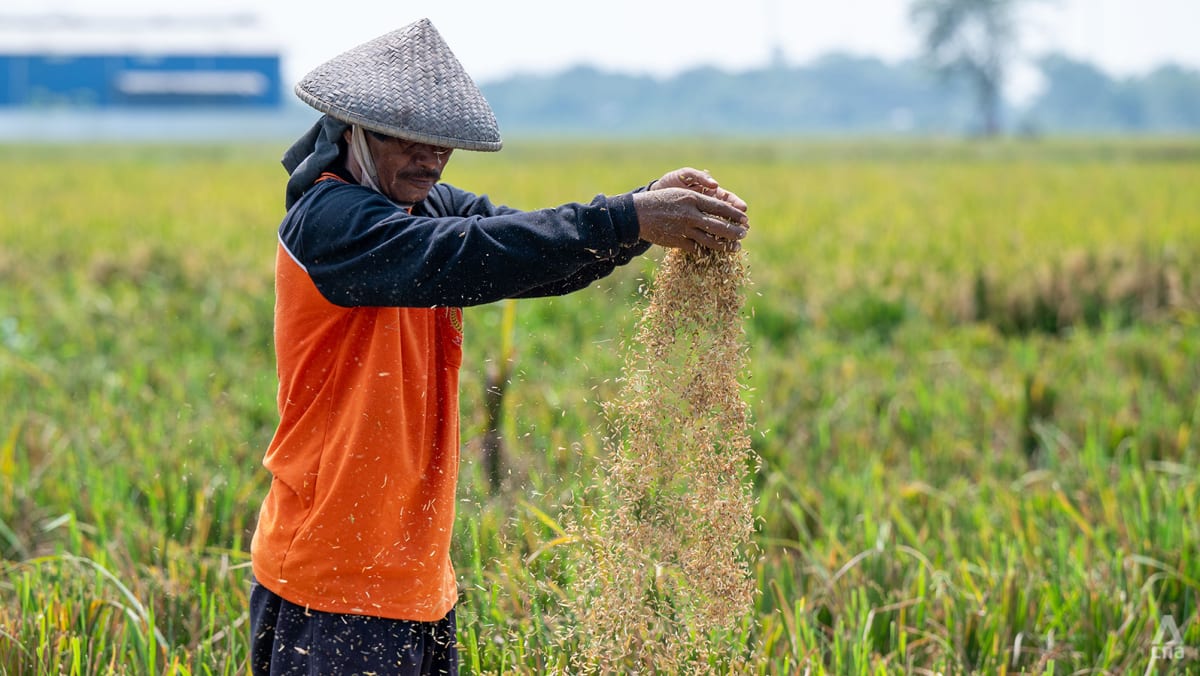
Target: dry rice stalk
669	585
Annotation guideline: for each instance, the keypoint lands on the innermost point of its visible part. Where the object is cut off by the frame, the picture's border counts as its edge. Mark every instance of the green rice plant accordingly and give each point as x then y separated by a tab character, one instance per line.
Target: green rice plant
920	507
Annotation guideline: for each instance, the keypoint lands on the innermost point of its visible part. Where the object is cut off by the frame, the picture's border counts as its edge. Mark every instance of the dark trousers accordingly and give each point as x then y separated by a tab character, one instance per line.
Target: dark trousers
289	639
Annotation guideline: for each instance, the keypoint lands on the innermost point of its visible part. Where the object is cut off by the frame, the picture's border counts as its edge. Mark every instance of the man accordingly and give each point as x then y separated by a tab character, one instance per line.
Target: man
376	258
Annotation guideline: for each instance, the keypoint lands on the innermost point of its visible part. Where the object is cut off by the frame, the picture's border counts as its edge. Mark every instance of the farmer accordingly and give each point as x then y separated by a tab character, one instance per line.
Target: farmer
376	259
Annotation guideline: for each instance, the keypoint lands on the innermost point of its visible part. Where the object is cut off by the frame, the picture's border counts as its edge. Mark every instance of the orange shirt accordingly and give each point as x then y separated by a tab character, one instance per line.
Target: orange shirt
365	460
368	340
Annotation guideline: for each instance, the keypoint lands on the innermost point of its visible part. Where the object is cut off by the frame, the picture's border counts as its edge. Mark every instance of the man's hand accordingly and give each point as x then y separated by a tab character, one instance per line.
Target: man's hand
701	182
688	219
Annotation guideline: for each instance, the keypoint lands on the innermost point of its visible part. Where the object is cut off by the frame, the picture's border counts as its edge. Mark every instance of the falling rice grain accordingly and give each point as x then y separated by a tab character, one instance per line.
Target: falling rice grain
669	585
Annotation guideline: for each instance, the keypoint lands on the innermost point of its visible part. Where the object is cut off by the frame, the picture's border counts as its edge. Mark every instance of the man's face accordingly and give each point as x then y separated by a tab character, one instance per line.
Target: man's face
407	170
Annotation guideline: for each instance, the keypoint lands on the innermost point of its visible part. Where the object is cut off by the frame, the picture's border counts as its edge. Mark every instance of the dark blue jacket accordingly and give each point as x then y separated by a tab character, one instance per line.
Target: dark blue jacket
454	248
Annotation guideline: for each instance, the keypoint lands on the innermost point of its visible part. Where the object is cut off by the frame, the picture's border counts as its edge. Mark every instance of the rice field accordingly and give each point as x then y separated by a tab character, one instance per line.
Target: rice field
973	383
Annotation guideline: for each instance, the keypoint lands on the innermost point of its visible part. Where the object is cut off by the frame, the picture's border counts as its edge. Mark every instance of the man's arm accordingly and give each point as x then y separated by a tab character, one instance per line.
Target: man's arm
360	249
459	249
726	225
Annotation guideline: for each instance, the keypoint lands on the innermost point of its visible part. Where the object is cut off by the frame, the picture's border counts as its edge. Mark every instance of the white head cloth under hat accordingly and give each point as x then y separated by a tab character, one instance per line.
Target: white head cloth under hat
406	84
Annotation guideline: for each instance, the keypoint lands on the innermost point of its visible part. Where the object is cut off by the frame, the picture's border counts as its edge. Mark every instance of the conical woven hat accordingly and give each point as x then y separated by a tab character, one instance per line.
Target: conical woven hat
406	84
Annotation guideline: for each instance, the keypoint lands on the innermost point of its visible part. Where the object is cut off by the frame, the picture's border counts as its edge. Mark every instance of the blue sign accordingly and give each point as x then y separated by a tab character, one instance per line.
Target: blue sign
129	80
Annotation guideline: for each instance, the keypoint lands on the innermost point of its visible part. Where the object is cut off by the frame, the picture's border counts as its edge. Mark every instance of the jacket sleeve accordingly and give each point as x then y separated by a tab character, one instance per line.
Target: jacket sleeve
454	249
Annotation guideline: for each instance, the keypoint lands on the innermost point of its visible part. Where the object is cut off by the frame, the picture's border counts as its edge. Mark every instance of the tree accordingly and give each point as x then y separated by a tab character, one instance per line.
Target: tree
1079	97
974	39
1170	98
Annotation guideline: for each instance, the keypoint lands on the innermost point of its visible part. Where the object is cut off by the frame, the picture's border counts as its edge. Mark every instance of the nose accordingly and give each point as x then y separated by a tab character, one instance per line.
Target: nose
430	155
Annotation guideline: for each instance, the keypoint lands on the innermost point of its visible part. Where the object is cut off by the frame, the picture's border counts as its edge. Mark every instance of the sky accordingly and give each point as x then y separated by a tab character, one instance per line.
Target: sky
496	38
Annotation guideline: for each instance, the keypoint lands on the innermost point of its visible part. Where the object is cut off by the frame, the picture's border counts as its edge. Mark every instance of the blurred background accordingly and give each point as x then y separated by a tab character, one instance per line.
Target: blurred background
224	69
974	365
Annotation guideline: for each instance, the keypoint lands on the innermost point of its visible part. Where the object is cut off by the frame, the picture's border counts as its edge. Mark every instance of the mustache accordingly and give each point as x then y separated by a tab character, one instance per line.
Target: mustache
421	175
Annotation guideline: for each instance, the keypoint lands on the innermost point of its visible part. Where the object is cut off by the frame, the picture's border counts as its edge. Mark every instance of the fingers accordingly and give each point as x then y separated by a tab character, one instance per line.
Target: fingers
686	177
709	240
690	220
719	235
700	238
698	180
731	199
718	225
725	230
722	209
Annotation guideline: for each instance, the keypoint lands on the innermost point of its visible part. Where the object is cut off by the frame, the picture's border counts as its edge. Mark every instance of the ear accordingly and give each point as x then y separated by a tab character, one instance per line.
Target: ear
346	135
